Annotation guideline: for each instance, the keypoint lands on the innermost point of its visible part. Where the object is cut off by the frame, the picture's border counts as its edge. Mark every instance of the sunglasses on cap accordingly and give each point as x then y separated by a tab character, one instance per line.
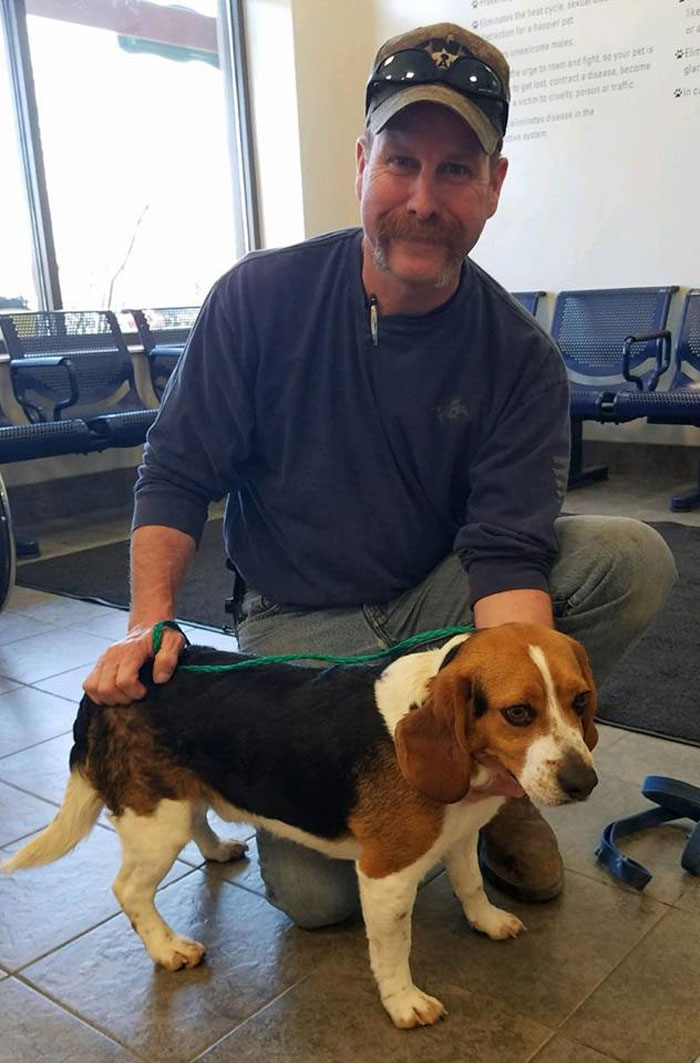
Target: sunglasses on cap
415	66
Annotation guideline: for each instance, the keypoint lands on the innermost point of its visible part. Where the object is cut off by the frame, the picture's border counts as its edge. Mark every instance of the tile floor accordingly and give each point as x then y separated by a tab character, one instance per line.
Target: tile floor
602	974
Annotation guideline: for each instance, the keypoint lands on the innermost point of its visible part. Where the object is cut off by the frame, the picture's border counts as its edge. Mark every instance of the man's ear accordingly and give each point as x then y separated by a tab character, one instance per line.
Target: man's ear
590	733
498	171
361	158
432	742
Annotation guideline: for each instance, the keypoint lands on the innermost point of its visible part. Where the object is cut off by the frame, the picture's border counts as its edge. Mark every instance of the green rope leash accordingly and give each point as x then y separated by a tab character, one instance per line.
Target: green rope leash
253	662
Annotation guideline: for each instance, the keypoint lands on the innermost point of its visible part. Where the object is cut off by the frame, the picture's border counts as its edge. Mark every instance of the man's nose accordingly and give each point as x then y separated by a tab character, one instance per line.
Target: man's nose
422	201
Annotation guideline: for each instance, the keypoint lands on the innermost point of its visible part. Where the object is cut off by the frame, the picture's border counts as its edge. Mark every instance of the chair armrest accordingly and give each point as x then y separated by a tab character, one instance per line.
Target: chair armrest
663	358
25	365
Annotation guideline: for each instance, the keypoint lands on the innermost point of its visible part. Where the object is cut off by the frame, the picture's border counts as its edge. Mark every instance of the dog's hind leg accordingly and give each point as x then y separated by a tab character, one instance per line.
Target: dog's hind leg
150	845
210	845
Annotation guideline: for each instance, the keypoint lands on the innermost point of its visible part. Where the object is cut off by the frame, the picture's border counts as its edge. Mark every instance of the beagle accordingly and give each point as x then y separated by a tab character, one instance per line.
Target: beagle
393	768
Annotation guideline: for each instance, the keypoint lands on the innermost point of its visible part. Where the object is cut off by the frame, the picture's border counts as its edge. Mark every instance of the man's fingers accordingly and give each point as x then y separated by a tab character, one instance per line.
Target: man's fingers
115	678
165	661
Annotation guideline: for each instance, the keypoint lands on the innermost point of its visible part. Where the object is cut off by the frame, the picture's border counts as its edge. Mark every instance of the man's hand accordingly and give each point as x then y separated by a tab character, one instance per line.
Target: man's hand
115	678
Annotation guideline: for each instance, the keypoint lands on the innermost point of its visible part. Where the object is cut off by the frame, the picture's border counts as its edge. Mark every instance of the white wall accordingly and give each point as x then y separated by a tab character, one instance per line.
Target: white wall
602	198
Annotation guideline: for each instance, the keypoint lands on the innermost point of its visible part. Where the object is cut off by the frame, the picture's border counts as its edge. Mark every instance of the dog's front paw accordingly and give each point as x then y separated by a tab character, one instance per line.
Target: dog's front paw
496	923
414	1008
181	952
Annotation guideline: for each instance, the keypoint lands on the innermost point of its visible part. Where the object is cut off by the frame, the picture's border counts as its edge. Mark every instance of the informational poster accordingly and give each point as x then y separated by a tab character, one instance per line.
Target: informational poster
603	143
571	61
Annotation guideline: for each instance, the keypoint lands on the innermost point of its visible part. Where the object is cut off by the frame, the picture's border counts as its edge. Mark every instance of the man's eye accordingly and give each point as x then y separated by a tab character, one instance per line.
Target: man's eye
456	170
519	715
580	702
401	162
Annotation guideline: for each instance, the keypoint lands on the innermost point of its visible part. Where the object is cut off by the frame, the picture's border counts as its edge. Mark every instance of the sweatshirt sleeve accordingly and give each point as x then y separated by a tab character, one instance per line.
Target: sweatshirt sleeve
198	446
517	485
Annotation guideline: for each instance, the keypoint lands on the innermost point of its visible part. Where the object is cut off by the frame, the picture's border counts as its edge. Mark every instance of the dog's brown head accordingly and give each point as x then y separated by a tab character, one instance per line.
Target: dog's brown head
521	693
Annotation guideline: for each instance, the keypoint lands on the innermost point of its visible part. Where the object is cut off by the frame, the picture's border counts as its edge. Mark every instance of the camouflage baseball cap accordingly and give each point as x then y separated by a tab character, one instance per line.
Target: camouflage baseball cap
477	90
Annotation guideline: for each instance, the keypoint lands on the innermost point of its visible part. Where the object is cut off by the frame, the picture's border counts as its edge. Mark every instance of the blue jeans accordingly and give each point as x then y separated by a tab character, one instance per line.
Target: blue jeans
611	578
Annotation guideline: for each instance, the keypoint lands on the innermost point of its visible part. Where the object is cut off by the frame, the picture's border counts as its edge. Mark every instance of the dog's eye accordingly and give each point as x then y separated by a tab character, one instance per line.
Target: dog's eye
519	715
580	703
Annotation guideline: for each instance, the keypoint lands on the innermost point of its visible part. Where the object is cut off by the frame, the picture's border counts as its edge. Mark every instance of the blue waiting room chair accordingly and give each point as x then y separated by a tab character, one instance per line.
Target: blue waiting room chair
528	300
680	402
612	340
163	332
75	363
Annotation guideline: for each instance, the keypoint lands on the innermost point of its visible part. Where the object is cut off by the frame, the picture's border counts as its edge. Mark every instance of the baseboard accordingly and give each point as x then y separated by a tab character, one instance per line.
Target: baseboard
105	492
676	462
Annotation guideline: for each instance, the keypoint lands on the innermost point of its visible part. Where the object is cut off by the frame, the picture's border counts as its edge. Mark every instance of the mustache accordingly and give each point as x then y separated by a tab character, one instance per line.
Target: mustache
443	233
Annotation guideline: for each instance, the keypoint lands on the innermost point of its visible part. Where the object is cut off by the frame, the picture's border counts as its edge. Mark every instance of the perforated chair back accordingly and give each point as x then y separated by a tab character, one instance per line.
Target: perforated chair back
687	359
528	300
93	342
164	326
591	327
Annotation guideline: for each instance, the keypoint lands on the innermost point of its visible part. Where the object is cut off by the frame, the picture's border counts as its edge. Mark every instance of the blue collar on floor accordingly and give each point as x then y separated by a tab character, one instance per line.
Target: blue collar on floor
677	800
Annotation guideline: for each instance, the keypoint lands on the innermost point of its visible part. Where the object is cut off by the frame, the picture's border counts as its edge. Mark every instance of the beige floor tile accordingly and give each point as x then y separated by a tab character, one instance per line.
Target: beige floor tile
578	828
40	656
561	1050
15	626
21	813
21	599
108	624
637	756
28	716
43	907
253	954
607	736
647	1010
689	900
335	1016
42	770
571	944
220	640
58	609
35	1029
67	685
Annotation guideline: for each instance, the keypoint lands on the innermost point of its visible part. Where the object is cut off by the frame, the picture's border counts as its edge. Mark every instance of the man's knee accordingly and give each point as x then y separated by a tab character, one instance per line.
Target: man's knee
313	890
614	560
641	568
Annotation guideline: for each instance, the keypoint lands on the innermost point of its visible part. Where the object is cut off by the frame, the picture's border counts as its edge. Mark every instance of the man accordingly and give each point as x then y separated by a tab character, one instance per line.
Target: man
391	431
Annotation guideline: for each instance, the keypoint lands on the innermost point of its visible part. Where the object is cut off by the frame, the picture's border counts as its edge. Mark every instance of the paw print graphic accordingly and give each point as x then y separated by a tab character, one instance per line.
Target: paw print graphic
678	93
679	53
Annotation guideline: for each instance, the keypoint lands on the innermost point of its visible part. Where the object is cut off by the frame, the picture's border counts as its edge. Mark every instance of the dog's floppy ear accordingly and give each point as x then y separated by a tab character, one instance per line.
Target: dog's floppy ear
431	742
590	732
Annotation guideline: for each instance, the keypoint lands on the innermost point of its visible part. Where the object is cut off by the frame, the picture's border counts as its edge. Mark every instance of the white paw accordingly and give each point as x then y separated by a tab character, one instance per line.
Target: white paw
414	1008
180	952
227	849
496	923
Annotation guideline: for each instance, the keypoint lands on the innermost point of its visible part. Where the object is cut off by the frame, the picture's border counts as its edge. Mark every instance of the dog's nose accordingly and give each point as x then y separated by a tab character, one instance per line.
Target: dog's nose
577	780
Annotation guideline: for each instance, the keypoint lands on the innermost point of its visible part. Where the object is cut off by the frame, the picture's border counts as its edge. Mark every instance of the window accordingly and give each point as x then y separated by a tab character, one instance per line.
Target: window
134	116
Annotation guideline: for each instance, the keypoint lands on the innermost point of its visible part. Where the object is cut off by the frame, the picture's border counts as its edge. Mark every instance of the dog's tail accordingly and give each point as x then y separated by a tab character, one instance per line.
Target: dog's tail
75	818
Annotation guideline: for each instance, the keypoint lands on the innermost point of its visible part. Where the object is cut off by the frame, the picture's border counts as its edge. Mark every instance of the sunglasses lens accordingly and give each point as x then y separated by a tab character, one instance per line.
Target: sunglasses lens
413	64
472	76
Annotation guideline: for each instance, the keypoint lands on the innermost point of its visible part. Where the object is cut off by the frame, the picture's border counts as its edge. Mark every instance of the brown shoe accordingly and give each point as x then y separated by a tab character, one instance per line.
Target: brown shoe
518	852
